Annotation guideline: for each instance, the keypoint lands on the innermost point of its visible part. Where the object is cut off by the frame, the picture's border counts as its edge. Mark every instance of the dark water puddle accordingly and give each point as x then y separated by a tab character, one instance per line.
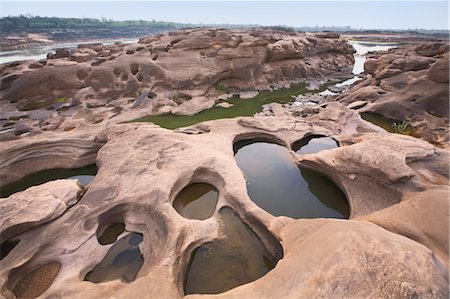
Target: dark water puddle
84	174
36	282
237	259
313	144
276	184
196	201
6	247
389	124
109	234
123	261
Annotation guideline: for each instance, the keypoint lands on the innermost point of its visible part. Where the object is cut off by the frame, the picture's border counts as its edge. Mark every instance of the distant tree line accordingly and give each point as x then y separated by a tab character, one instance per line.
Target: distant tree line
57	27
24	24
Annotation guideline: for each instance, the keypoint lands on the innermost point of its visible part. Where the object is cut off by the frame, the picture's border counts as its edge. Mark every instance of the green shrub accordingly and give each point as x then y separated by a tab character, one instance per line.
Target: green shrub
157	107
221	88
179	97
61	100
401	127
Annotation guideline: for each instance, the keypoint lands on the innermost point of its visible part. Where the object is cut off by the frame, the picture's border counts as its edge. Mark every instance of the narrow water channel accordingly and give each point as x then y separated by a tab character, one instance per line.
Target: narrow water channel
84	174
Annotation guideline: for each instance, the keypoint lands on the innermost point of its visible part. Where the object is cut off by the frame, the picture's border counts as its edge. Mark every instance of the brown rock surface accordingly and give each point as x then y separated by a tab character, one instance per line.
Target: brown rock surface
143	167
408	83
29	155
411	218
37	205
97	81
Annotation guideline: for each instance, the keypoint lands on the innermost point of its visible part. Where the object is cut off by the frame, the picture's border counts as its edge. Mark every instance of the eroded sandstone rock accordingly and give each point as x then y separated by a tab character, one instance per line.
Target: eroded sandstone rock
37	205
142	168
408	83
200	64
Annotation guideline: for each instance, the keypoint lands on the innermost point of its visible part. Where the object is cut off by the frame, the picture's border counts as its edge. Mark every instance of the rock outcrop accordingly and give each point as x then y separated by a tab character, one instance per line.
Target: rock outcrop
408	83
143	167
183	72
37	205
21	157
10	43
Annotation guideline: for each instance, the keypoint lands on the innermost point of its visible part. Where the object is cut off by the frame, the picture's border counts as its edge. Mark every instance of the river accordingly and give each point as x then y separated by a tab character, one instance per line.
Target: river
41	52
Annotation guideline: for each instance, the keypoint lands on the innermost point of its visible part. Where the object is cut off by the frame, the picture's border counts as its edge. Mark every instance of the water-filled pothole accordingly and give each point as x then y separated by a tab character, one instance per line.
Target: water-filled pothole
196	201
84	174
36	282
240	257
6	247
122	261
389	124
276	184
313	144
109	234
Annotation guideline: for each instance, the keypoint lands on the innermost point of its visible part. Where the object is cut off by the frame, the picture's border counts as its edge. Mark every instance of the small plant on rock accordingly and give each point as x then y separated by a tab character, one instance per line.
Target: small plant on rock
179	97
401	128
221	88
61	100
157	107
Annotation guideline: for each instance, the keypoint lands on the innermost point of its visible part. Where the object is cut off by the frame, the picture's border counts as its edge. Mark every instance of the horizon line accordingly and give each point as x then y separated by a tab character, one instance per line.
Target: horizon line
350	28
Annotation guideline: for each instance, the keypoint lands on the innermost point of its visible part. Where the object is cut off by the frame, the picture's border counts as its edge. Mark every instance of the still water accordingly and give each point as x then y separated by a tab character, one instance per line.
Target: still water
237	259
41	52
123	261
196	201
84	174
276	184
314	144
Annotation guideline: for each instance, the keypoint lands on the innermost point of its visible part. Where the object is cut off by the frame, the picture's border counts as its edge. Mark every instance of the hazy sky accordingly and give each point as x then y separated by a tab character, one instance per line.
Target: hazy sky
357	14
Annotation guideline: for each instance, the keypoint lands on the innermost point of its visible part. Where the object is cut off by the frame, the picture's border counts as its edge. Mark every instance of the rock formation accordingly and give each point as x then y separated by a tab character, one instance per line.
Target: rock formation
65	112
381	251
10	43
37	205
182	72
408	83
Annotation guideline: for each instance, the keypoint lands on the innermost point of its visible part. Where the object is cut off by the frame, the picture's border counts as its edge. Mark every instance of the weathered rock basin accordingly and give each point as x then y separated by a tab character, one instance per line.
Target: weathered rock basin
240	257
123	261
196	201
37	281
109	233
142	169
279	186
389	124
314	143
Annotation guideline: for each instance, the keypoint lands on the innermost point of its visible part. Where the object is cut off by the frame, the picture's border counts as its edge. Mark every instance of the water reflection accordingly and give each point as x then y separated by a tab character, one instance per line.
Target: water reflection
237	259
314	144
84	174
123	261
276	184
196	201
